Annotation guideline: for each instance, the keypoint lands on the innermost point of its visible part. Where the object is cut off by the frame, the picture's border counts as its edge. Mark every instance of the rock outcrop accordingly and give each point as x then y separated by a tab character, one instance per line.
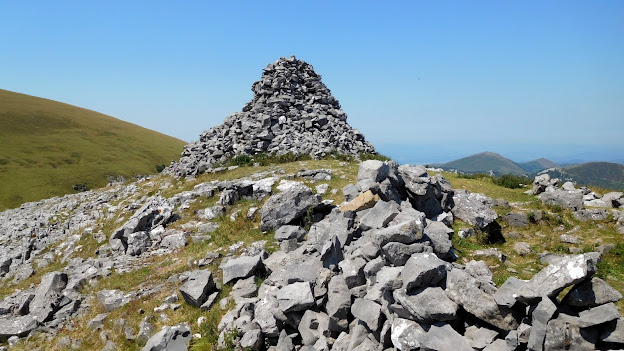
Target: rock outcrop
391	283
292	111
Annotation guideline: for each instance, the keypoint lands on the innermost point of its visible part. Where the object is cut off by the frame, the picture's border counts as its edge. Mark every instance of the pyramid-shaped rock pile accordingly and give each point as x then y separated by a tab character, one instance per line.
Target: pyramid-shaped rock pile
291	111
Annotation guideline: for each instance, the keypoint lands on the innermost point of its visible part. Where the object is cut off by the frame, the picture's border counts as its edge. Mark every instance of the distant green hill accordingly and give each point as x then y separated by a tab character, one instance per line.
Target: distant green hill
485	162
537	165
48	147
601	174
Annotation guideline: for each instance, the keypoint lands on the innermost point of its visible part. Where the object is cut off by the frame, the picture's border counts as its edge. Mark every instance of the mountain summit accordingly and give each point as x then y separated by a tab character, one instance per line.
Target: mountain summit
291	111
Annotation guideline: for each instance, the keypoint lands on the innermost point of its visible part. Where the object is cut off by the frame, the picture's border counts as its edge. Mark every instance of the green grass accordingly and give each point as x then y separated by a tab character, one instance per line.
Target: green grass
485	185
48	147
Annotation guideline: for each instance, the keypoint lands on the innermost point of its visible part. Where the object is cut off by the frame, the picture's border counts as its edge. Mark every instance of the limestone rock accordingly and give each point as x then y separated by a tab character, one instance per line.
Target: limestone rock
198	287
557	276
463	290
16	326
473	208
175	338
287	206
241	267
292	111
295	297
592	293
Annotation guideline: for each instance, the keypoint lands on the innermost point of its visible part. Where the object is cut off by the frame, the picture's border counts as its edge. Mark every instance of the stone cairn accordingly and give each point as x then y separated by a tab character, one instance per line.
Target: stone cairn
291	111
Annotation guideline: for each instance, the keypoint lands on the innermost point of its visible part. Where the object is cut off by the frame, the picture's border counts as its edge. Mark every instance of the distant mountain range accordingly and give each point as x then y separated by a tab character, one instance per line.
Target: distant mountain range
495	163
601	174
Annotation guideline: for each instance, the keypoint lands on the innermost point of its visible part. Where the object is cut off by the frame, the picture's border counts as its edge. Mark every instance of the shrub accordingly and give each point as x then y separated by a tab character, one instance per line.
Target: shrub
379	157
473	176
160	167
511	181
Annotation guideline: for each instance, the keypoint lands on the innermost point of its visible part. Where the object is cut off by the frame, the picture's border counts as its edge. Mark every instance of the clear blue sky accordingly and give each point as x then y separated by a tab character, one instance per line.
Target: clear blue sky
452	77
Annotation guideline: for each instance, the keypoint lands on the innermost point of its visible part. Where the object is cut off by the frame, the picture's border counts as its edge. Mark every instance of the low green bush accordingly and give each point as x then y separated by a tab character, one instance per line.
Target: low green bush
511	181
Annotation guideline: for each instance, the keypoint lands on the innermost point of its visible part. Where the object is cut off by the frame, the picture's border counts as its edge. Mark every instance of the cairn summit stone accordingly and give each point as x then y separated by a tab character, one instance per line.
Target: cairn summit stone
291	111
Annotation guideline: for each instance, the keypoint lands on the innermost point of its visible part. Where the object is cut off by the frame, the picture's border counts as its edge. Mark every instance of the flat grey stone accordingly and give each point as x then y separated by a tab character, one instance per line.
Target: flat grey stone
47	296
440	237
480	337
295	297
598	315
473	208
313	325
427	305
462	288
541	315
112	299
198	287
613	332
338	303
558	275
423	269
368	312
287	206
287	232
241	267
507	293
591	293
398	253
175	338
16	326
444	337
405	334
380	215
406	233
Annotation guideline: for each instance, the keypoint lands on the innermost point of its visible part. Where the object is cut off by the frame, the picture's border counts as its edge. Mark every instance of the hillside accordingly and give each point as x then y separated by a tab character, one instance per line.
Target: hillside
537	165
485	162
600	174
48	147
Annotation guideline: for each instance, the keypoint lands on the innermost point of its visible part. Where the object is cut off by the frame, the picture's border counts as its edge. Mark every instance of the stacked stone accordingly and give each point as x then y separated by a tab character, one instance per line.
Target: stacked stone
378	274
292	111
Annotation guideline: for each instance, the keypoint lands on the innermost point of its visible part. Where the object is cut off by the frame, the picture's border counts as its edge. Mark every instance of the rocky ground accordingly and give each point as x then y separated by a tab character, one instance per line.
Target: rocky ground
313	255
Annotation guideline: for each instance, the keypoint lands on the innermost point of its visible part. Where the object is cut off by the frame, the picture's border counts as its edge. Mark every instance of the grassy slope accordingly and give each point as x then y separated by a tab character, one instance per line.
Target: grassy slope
603	174
483	162
48	146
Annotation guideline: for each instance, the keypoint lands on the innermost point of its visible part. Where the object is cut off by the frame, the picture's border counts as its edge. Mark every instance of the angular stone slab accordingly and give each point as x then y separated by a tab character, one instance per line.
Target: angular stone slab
541	315
473	208
380	215
175	338
406	233
287	206
598	315
295	297
592	293
47	296
427	305
558	275
423	269
241	267
507	293
197	287
368	312
462	288
16	326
